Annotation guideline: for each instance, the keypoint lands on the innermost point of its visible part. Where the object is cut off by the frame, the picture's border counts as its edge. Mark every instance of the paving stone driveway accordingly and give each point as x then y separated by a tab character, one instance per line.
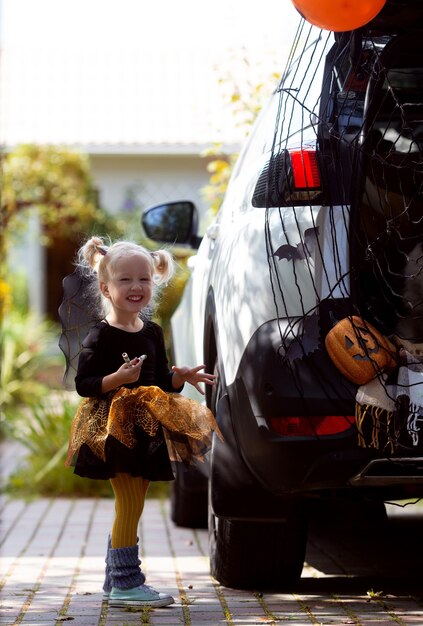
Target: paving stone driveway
52	553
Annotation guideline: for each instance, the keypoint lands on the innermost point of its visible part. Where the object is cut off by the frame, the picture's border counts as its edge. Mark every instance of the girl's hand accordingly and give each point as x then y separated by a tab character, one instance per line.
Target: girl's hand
127	373
192	375
130	372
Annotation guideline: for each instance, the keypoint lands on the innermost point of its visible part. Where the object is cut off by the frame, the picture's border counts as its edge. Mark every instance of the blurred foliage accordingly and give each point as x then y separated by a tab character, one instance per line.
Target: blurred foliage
220	169
25	363
57	183
246	95
170	296
5	297
44	431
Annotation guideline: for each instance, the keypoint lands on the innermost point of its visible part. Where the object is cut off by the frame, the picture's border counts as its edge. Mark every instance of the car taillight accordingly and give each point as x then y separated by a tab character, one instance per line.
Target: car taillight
290	177
311	425
304	169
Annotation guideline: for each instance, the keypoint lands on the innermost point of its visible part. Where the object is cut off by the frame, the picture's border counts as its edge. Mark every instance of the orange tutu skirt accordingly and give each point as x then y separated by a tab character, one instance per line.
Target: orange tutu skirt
187	425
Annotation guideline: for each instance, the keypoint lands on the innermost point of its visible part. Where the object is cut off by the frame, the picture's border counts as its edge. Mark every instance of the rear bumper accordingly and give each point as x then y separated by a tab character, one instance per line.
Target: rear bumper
256	470
402	471
288	472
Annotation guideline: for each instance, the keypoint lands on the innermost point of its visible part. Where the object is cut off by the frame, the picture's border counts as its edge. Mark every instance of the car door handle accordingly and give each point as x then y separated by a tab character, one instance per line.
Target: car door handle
213	231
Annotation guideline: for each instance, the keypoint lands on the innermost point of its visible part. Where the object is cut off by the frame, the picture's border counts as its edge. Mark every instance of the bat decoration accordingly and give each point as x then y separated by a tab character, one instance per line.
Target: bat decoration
308	342
302	250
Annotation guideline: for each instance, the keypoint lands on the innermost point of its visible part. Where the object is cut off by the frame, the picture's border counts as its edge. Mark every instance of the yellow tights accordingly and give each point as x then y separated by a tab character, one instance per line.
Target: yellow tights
130	492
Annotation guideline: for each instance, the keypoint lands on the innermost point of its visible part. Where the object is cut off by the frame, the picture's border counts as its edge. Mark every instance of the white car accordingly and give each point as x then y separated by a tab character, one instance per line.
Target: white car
320	223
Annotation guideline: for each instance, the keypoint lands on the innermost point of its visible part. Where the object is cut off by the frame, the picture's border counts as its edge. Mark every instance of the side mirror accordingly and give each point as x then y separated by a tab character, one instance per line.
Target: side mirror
173	222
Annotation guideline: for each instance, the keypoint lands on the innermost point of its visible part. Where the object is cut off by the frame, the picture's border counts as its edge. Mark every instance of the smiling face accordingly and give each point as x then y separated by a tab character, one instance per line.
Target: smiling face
130	286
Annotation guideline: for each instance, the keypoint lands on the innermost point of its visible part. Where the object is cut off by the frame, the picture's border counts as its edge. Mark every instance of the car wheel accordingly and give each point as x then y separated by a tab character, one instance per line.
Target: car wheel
252	554
259	555
188	499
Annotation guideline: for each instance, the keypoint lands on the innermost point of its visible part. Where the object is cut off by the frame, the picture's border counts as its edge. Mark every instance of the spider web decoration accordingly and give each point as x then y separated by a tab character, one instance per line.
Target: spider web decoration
363	117
79	310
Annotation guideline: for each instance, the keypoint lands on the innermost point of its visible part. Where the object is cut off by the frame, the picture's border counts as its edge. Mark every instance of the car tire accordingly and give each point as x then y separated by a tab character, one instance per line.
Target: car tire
254	554
188	498
258	555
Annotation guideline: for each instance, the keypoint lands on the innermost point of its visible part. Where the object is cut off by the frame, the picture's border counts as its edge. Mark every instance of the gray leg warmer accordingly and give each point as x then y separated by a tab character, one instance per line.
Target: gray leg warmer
107	586
125	572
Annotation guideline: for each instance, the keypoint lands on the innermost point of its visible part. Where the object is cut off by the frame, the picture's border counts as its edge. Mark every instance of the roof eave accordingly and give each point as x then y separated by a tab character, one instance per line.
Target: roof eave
154	149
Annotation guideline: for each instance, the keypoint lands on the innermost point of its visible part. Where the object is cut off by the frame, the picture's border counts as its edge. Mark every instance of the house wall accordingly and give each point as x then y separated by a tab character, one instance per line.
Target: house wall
136	182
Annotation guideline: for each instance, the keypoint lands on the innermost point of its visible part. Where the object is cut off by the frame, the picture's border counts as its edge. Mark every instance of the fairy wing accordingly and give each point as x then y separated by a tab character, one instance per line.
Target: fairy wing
78	311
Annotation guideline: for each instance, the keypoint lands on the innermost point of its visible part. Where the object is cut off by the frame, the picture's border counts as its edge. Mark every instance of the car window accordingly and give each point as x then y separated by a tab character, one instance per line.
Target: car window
259	137
300	91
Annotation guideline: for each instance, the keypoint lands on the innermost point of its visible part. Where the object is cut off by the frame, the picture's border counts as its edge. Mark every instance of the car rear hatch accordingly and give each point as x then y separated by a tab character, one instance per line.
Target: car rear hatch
369	150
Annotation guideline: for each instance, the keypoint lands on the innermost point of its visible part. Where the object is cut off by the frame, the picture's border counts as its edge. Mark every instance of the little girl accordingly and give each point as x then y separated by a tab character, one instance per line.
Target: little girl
129	428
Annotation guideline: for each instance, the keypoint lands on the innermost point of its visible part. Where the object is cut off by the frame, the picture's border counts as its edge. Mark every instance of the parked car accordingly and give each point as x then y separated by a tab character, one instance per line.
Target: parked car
321	225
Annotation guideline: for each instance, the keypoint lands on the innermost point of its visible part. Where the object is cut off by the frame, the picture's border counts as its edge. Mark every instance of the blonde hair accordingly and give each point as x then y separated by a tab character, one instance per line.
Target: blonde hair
102	258
95	257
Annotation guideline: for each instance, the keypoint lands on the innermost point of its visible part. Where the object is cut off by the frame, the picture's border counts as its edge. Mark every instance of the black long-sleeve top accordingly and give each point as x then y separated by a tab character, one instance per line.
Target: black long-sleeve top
102	355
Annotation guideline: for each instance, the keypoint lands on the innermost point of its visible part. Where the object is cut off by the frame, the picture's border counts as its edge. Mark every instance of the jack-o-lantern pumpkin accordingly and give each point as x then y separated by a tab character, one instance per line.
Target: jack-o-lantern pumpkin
358	350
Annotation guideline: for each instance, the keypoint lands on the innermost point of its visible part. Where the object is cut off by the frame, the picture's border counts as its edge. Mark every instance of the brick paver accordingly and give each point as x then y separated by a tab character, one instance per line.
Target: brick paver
52	565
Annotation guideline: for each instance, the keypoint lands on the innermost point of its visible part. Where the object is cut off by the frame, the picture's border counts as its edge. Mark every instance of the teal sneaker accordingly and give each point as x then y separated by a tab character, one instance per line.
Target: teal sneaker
139	596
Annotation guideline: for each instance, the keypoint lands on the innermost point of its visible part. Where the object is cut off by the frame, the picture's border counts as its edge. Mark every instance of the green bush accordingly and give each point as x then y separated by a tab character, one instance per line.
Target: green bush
26	360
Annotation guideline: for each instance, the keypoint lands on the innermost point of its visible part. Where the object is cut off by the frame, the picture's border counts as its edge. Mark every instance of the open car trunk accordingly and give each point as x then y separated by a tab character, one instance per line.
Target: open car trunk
387	208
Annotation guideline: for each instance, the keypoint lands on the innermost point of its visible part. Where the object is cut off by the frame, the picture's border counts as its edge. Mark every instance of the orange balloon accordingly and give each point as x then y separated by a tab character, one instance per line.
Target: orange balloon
338	15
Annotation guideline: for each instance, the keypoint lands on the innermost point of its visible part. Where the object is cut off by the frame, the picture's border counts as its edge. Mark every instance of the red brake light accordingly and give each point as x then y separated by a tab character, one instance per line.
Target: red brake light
311	425
304	169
